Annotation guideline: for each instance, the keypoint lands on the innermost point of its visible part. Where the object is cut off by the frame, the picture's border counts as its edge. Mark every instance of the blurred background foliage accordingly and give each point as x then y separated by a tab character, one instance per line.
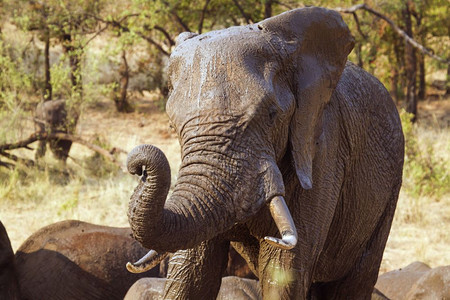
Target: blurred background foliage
85	50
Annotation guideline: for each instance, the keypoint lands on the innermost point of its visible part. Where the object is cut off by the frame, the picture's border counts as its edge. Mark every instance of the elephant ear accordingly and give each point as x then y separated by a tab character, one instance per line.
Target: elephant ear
314	44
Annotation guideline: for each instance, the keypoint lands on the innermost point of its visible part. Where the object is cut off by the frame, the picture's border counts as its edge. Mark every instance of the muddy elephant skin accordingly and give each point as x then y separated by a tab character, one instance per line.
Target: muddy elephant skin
289	153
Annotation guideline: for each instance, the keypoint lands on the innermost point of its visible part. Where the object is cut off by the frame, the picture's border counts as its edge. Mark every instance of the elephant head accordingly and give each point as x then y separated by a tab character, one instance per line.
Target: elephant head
241	99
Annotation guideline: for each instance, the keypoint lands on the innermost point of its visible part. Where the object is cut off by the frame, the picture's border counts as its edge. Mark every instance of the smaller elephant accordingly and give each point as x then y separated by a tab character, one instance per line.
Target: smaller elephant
70	260
232	288
54	117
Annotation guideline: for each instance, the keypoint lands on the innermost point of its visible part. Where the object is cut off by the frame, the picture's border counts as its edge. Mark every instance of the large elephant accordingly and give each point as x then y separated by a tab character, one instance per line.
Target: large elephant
279	135
70	260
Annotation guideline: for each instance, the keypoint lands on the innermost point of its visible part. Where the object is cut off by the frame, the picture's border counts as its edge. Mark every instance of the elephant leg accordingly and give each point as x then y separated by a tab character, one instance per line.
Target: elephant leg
197	273
279	278
359	282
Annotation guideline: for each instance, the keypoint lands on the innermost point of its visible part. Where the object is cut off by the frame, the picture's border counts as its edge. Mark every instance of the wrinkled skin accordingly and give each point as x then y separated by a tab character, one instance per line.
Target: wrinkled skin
75	260
232	288
266	113
53	117
9	285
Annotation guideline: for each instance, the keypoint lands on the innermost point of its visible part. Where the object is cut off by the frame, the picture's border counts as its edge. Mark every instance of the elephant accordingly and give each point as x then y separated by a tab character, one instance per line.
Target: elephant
232	288
70	260
54	117
288	152
9	284
77	260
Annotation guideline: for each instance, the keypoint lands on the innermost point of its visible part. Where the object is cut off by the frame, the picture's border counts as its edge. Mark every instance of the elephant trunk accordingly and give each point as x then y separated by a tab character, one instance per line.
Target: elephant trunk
193	213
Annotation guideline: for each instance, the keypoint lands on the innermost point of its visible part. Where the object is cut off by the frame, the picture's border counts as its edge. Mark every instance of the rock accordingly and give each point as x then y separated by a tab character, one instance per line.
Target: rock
435	284
146	289
396	284
232	288
239	288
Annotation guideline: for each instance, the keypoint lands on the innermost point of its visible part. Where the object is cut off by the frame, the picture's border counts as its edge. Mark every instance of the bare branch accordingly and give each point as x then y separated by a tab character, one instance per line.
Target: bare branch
177	17
95	35
202	17
166	34
358	27
283	4
119	25
247	18
27	162
61	136
408	39
6	165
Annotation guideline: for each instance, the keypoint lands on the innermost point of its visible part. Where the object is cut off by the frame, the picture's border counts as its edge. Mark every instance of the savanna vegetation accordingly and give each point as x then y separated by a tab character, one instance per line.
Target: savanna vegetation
106	60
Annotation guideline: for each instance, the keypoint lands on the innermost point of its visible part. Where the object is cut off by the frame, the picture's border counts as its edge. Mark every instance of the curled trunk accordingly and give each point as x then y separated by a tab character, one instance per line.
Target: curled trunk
192	214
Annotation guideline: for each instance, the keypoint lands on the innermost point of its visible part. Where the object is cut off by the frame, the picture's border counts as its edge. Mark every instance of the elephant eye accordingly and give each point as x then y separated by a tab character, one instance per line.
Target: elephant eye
172	128
272	115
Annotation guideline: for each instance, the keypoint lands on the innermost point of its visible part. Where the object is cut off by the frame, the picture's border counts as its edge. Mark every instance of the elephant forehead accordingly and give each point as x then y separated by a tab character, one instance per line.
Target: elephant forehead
224	71
216	43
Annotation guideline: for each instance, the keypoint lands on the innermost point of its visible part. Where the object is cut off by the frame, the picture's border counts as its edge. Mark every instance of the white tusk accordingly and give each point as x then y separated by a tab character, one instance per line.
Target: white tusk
147	262
285	224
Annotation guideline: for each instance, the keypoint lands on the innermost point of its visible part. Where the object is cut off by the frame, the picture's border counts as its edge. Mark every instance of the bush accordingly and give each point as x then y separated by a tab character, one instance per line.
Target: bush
424	172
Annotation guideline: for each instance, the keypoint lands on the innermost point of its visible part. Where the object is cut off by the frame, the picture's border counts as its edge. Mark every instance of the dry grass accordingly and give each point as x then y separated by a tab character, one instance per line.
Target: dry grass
421	228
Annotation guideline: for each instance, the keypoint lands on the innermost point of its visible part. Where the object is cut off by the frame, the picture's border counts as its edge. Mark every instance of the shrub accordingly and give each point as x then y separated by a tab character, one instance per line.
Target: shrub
424	172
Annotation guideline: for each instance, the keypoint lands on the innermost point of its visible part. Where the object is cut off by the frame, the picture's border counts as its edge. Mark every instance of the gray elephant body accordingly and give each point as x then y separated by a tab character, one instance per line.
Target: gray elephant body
278	134
71	260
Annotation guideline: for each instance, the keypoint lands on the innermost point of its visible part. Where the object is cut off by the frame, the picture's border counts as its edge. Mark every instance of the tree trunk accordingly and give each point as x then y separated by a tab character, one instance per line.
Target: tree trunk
447	82
358	50
421	94
394	83
421	59
410	66
47	84
120	97
399	68
75	66
268	8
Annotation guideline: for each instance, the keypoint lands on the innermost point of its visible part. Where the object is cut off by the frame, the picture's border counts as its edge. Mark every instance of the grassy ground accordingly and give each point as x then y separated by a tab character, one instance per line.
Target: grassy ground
90	189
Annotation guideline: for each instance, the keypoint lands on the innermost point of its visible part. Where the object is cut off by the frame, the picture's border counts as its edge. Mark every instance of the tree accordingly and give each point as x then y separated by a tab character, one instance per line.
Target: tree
404	12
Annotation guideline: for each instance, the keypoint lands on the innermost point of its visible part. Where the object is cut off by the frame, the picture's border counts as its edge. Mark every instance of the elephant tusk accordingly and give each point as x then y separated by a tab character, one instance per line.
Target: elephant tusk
285	224
147	262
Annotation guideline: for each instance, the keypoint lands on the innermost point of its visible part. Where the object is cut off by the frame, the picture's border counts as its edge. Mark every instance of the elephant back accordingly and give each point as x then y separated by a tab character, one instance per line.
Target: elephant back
77	260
